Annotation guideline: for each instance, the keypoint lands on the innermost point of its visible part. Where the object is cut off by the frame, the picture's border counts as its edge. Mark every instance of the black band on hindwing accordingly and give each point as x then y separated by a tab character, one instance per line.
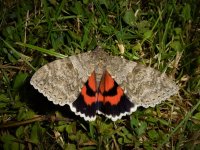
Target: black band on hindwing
89	91
112	91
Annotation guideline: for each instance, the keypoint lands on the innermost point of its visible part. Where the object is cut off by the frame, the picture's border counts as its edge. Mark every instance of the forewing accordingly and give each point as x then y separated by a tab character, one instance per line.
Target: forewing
144	86
61	80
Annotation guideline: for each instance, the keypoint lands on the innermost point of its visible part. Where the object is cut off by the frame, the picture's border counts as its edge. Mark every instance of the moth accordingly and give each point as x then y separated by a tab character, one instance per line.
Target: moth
95	82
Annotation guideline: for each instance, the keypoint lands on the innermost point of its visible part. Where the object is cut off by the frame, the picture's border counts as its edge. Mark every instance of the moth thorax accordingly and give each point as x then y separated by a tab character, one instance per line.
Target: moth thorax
99	73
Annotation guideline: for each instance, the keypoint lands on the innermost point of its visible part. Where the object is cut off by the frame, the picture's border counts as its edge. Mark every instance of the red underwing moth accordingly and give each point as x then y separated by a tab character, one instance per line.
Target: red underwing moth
98	83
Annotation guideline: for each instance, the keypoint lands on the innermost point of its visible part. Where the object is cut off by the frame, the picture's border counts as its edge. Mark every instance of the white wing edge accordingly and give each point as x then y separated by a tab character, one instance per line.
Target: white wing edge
87	118
133	109
73	109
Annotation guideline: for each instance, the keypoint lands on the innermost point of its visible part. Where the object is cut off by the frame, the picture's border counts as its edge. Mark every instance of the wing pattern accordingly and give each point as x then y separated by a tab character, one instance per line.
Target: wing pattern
114	85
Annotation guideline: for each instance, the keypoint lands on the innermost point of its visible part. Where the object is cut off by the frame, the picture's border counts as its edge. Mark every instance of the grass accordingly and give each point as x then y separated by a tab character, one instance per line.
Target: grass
162	34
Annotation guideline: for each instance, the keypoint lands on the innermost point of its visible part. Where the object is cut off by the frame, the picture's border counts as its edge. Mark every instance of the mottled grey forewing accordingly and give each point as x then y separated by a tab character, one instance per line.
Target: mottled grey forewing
61	80
144	86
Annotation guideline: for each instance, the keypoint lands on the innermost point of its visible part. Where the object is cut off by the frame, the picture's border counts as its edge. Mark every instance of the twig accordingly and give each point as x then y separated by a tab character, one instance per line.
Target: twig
11	67
29	121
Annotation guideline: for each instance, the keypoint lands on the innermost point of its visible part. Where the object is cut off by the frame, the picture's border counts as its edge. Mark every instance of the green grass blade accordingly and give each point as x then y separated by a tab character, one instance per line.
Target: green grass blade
22	56
188	115
49	52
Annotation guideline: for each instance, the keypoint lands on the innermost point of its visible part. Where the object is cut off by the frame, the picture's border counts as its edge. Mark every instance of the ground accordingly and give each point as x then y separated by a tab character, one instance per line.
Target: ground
161	34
